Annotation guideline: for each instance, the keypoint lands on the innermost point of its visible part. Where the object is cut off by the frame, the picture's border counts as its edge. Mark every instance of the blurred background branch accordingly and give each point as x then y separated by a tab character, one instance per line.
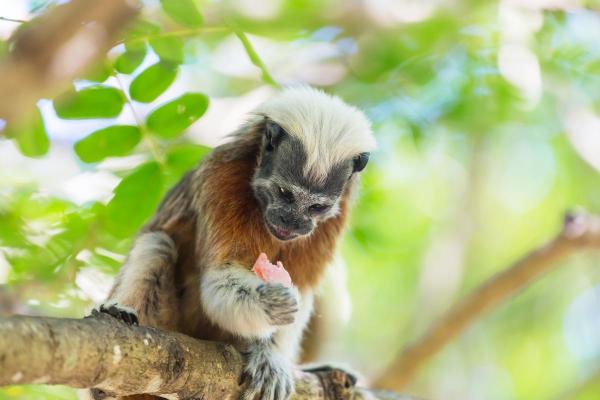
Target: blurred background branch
580	231
49	52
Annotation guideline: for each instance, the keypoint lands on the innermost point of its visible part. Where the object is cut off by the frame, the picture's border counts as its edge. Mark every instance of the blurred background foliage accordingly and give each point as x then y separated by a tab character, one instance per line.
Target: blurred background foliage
488	118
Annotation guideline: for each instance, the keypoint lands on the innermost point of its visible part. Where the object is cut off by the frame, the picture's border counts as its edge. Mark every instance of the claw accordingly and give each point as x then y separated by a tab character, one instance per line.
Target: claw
122	314
350	378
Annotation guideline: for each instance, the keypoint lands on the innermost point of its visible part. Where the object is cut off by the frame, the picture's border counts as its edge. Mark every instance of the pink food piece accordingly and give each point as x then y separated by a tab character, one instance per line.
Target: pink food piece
271	273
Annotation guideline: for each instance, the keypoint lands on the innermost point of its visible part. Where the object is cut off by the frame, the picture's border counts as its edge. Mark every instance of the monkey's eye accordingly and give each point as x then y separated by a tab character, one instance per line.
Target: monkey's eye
318	208
286	194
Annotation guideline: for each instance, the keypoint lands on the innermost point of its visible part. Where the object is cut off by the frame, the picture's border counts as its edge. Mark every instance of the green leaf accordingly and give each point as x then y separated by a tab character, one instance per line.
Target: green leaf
152	82
91	102
184	12
132	58
171	119
117	140
135	199
30	135
168	48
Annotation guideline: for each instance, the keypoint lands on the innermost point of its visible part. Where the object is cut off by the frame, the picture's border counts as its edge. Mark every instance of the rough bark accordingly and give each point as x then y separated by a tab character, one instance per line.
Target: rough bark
104	353
52	50
580	231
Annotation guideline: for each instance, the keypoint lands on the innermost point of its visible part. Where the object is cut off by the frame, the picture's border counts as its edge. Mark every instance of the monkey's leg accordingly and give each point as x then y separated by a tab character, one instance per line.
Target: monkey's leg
269	363
267	372
145	288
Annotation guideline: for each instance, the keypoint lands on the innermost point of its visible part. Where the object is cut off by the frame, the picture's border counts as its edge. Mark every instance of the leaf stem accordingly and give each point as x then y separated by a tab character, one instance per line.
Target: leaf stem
252	54
255	58
18	21
179	33
148	138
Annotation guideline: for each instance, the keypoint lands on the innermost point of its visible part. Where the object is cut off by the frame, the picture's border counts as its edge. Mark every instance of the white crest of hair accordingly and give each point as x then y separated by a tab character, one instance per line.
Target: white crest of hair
330	130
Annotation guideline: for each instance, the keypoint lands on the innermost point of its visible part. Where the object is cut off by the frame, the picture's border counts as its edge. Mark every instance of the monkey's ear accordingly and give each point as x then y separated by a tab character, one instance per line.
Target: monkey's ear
273	134
360	162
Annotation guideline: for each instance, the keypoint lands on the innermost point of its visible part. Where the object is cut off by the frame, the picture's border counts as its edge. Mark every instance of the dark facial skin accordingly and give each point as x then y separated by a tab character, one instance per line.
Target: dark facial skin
293	205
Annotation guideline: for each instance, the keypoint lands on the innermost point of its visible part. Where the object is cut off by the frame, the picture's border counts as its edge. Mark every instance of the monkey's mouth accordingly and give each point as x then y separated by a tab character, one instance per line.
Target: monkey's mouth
281	233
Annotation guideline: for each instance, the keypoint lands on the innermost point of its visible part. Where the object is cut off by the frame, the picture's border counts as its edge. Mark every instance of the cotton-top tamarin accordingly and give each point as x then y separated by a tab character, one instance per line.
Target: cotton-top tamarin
283	186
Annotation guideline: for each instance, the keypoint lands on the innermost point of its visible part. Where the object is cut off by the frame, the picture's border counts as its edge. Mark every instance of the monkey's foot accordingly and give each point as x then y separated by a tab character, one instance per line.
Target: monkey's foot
349	378
268	376
122	313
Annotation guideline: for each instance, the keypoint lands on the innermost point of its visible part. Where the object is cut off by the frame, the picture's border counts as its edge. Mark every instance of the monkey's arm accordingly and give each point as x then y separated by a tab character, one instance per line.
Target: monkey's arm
145	287
239	302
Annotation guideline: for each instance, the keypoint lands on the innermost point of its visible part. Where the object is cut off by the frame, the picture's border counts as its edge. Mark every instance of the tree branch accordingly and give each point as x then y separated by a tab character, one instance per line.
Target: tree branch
104	353
580	231
52	50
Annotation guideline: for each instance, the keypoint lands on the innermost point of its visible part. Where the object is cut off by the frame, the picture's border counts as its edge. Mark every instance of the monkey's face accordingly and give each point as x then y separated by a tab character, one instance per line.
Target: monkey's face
292	204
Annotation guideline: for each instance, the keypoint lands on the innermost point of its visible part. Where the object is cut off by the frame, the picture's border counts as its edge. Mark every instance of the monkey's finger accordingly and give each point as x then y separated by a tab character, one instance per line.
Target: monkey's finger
281	303
132	318
125	317
279	308
286	313
252	391
280	392
289	389
244	378
269	390
282	321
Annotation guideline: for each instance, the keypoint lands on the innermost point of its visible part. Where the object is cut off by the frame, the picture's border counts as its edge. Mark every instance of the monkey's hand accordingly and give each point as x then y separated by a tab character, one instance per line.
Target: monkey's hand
280	303
122	313
239	302
267	373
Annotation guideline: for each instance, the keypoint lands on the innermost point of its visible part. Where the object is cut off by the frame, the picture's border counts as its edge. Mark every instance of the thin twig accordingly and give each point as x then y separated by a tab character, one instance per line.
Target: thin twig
252	54
580	231
18	21
179	33
148	138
